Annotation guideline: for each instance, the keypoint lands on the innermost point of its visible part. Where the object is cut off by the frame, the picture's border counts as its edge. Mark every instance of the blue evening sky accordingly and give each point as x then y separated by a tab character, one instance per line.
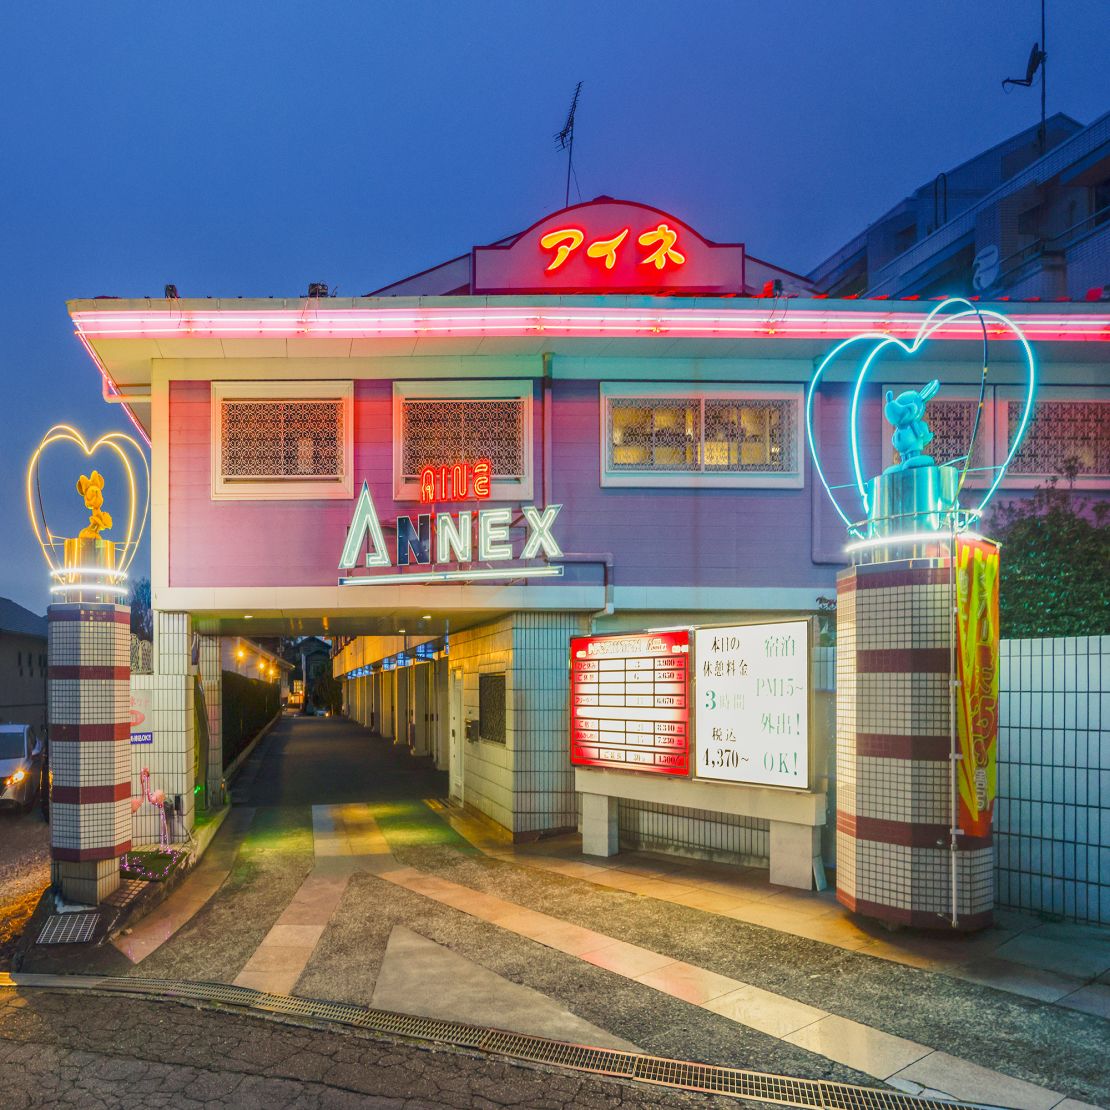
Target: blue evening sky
247	148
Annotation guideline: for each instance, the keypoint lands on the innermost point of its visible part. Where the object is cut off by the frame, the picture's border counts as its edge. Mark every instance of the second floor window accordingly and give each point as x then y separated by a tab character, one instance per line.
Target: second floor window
731	435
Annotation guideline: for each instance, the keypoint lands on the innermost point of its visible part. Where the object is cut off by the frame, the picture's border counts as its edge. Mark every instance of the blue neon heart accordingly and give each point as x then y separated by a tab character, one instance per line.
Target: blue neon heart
929	325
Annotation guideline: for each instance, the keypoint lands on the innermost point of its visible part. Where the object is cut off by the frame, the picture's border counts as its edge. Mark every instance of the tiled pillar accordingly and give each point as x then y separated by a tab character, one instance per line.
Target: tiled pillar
600	834
170	758
211	676
894	742
537	695
90	751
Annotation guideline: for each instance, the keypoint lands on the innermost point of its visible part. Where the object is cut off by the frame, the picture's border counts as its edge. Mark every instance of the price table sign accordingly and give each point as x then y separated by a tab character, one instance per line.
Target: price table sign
752	694
629	702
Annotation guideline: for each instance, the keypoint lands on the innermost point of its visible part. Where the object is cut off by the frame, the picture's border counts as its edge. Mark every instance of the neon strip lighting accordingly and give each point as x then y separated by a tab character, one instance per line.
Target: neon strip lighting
88	588
912	537
929	327
454	576
104	572
485	320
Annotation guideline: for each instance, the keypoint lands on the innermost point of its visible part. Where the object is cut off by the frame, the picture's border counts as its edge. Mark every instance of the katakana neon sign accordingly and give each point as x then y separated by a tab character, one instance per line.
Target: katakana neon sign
612	246
566	240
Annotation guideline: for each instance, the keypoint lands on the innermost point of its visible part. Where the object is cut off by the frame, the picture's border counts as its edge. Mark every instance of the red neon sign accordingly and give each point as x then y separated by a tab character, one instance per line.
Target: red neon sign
629	702
567	240
610	245
458	482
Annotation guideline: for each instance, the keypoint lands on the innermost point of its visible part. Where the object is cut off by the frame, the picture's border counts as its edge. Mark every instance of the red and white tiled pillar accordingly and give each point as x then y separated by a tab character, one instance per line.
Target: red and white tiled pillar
894	818
90	750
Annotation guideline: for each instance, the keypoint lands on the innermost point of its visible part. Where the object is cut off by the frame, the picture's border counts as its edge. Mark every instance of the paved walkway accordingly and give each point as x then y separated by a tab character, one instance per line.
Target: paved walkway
1067	964
383	896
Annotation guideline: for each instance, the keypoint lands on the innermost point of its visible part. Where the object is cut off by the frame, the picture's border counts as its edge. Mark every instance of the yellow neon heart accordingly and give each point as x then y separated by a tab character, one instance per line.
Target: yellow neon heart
115	441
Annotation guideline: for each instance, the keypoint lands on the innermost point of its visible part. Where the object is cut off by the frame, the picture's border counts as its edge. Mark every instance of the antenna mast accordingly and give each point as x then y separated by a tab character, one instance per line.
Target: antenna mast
1038	59
565	139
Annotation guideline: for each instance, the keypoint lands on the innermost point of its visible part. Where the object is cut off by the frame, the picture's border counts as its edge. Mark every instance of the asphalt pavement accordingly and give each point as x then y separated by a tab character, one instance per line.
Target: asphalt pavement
24	872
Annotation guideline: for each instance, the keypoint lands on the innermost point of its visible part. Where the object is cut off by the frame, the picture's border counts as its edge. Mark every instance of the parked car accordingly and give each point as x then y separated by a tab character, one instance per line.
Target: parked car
21	761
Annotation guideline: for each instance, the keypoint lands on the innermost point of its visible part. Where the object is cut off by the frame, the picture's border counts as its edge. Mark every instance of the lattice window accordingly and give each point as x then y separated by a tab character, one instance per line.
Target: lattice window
443	431
750	435
951	421
275	440
1060	432
654	433
701	435
491	707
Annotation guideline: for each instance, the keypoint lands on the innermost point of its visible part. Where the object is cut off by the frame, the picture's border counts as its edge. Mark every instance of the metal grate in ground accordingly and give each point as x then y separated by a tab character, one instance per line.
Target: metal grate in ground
69	928
822	1094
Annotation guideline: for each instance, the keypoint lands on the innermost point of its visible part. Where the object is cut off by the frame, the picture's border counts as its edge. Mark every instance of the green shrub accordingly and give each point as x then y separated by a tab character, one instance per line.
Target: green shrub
1055	563
248	705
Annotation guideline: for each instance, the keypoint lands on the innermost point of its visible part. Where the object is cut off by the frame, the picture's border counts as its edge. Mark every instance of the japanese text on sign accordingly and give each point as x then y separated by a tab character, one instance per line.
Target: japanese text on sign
566	240
752	704
628	702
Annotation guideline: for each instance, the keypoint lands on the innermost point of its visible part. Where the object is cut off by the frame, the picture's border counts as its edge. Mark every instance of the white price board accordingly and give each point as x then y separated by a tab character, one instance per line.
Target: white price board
751	709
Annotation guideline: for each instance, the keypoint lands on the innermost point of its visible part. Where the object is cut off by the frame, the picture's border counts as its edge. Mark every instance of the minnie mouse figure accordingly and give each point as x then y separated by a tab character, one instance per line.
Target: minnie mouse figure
911	434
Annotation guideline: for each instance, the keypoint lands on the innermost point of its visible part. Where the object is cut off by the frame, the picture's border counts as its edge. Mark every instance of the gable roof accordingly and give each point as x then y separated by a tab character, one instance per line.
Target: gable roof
22	622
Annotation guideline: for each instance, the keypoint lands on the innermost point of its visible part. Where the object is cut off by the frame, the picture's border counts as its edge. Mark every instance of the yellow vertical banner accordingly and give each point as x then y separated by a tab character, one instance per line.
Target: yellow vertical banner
977	582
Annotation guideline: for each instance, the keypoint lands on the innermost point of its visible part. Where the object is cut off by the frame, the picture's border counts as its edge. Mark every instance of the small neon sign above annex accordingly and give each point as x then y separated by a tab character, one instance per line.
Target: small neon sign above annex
452	542
609	246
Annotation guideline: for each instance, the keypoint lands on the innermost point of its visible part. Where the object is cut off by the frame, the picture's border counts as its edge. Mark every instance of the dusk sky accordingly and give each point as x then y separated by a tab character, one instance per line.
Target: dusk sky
239	148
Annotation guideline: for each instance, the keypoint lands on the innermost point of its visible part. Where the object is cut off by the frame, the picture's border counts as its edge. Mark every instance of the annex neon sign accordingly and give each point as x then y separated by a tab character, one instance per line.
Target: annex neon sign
460	481
445	540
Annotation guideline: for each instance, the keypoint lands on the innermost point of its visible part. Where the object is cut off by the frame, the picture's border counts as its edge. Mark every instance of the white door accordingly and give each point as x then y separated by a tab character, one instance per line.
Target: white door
457	742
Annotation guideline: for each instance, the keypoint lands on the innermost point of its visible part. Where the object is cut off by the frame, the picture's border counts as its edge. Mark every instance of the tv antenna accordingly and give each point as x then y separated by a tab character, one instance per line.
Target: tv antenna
565	139
1037	60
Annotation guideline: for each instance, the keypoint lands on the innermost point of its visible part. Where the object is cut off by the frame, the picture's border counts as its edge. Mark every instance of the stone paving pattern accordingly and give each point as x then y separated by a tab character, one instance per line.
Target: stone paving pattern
333	763
93	1051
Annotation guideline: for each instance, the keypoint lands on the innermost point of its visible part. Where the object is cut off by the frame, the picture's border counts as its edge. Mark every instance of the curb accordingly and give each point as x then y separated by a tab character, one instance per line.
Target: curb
233	768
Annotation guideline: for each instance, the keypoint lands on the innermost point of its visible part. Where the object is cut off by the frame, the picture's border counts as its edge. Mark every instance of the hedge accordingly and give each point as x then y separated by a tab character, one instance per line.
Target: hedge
248	706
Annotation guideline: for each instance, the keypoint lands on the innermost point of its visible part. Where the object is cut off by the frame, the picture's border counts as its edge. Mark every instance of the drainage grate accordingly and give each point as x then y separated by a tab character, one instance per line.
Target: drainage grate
68	928
784	1090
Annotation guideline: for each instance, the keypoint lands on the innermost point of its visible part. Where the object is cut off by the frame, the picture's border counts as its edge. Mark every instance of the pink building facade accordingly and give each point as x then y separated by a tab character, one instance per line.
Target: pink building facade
648	466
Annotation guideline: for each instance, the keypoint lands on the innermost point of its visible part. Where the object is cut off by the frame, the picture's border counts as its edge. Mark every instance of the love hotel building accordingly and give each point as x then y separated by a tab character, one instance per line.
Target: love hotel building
596	425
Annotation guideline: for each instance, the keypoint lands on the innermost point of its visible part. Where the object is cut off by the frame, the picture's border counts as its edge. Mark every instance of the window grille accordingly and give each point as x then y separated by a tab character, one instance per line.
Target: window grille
443	431
1060	432
701	435
951	421
491	707
749	435
655	433
276	440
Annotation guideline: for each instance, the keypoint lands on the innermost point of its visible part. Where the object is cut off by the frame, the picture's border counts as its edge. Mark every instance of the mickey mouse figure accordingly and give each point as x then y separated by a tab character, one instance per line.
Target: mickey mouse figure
91	488
911	434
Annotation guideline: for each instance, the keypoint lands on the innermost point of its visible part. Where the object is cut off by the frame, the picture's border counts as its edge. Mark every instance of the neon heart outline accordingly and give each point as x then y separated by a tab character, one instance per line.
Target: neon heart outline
928	326
115	441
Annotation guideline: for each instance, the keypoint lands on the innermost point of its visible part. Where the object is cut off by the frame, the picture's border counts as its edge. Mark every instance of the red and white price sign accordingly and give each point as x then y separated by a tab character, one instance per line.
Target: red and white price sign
629	702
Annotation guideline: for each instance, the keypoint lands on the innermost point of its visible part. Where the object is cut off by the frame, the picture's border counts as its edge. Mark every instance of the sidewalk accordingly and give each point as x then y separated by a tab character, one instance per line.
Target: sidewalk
1066	964
408	905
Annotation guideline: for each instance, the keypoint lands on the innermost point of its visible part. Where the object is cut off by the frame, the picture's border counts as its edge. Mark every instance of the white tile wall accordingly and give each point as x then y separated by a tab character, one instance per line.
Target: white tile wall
525	784
1052	814
170	758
